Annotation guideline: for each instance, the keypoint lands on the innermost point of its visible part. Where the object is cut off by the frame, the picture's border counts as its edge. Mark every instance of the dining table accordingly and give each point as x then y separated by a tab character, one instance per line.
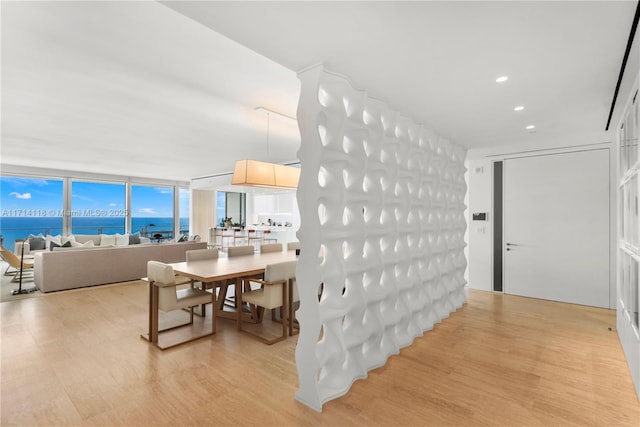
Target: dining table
234	268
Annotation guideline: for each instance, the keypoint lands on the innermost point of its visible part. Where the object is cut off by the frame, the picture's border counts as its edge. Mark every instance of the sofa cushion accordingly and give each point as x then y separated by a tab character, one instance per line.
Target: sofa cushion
87	244
36	242
134	239
80	248
83	238
122	239
107	240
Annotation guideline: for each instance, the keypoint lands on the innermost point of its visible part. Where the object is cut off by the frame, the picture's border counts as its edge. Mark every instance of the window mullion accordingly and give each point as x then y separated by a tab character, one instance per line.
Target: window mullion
66	206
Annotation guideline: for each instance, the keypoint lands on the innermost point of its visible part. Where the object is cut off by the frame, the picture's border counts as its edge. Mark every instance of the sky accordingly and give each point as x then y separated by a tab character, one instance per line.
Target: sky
43	197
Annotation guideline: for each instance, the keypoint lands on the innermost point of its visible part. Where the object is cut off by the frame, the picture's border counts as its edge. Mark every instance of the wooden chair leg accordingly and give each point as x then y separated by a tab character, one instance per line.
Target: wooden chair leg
203	307
285	326
290	305
222	296
257	313
260	313
203	310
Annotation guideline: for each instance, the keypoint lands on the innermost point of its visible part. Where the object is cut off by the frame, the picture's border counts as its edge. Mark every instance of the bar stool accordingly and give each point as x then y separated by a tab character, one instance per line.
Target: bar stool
266	237
218	237
227	237
240	237
253	238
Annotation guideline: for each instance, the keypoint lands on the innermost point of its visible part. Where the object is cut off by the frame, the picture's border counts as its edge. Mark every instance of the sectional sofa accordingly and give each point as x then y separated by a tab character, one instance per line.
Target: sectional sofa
77	267
34	244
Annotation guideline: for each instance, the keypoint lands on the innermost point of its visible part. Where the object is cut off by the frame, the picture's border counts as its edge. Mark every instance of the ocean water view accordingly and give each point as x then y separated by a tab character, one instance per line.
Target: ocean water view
12	228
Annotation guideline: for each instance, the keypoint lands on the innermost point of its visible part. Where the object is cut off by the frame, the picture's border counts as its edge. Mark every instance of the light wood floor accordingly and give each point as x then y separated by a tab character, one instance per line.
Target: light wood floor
75	358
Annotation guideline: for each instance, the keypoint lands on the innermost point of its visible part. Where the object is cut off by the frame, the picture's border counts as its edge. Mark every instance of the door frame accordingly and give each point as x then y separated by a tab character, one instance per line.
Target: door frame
613	209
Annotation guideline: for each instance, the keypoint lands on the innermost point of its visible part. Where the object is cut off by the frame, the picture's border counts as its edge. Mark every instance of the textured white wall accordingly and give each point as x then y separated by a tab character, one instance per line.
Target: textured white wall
382	199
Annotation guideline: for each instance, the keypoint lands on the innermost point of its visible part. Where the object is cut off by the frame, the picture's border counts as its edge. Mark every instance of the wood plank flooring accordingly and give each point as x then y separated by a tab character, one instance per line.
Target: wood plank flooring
76	358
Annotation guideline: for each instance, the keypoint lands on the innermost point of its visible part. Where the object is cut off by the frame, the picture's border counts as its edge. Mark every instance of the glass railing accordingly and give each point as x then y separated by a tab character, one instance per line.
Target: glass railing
8	235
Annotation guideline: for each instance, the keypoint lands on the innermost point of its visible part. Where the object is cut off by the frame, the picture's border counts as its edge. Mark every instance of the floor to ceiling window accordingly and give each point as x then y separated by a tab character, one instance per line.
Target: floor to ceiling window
628	319
68	203
231	206
221	207
98	207
184	200
152	212
30	206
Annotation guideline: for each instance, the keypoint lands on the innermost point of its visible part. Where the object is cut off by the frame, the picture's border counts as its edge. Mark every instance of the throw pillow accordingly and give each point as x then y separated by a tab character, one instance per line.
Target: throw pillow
122	239
134	239
69	238
55	239
36	243
53	245
87	244
107	240
182	238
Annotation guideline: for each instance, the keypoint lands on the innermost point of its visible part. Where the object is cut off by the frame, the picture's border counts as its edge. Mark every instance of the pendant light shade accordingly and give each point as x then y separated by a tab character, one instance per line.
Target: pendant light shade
263	174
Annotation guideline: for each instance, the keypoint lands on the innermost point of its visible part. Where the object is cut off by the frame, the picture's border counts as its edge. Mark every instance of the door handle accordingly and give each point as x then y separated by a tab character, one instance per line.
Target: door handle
508	249
511	244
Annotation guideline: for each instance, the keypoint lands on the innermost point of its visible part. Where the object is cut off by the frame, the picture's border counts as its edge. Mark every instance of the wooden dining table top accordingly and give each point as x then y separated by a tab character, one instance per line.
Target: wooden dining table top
214	270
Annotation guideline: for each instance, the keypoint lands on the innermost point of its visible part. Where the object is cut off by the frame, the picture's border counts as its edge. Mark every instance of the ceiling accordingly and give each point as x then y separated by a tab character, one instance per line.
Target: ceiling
169	90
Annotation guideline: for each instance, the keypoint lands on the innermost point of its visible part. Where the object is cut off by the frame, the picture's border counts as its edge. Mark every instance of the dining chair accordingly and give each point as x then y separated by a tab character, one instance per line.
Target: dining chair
271	247
292	246
171	298
203	255
234	252
273	294
294	297
240	251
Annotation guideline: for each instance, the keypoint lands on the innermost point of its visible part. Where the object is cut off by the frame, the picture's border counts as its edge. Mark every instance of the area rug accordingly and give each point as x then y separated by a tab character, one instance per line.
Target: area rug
7	286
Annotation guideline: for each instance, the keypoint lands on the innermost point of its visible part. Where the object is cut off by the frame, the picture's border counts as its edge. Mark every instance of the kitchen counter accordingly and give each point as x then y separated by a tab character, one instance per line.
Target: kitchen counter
283	234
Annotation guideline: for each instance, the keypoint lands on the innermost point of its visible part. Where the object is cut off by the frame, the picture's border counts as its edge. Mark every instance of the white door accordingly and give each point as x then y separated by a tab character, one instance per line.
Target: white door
556	227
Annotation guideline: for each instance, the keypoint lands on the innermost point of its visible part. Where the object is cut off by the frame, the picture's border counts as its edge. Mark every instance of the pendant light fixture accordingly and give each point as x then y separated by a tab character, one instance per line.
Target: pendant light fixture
255	173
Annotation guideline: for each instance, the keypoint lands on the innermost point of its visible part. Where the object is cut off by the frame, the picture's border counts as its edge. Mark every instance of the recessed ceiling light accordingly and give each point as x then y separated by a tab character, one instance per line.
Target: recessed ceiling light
502	79
530	127
518	108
